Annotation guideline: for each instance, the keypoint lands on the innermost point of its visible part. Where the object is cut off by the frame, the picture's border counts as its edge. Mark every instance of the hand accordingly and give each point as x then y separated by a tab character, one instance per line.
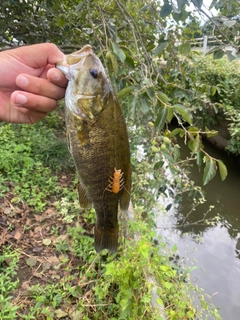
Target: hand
29	84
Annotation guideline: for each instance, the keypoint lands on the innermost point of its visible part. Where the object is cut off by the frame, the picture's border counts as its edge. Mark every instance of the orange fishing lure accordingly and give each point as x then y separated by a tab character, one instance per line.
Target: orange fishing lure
116	183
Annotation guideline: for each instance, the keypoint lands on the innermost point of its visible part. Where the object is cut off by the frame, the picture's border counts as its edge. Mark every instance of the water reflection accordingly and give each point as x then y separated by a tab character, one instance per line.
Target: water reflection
218	255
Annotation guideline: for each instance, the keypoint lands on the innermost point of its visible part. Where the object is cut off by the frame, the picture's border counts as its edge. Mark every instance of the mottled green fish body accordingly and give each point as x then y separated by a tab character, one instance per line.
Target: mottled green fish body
98	142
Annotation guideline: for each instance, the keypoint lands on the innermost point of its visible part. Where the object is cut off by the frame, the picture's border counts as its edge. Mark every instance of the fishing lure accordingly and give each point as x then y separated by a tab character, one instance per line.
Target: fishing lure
116	183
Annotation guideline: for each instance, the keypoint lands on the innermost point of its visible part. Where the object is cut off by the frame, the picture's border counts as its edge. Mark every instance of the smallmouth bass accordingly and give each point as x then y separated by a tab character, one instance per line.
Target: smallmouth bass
98	142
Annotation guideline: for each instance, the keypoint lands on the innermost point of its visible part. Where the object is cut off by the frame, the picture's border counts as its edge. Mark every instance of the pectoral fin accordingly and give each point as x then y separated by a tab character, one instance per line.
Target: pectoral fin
84	201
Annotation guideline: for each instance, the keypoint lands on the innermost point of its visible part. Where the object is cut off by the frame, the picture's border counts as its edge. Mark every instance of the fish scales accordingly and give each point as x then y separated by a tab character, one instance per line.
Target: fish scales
98	142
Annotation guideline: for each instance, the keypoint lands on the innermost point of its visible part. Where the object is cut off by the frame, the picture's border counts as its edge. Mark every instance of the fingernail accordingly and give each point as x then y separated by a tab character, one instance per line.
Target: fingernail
20	99
22	81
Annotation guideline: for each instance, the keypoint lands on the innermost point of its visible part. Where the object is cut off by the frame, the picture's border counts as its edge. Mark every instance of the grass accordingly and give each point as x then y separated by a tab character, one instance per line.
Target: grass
49	269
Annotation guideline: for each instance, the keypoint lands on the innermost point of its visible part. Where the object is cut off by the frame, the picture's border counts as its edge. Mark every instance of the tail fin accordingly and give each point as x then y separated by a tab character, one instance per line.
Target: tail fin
106	239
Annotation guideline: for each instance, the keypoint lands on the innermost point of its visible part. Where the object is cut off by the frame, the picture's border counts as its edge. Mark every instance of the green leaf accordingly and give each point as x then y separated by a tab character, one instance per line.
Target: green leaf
176	152
125	91
158	165
61	21
211	133
213	90
183	112
193	130
200	156
185	48
160	48
196	144
144	106
118	51
222	169
163	97
166	9
161	118
218	54
209	170
175	132
129	61
170	114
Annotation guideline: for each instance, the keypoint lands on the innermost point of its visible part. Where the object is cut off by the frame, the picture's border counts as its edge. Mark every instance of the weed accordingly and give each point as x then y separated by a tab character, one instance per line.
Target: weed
8	266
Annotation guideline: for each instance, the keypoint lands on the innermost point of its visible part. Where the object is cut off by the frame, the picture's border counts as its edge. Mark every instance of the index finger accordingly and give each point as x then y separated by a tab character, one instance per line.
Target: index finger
39	55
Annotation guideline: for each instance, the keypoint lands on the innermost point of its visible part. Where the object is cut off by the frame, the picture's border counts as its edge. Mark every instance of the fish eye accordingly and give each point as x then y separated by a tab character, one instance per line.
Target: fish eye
94	73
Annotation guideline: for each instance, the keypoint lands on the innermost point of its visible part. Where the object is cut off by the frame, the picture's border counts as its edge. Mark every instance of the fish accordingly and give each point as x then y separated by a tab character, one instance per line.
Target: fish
98	142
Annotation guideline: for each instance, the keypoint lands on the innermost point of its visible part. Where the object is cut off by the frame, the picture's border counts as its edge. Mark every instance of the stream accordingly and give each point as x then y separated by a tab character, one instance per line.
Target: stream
215	250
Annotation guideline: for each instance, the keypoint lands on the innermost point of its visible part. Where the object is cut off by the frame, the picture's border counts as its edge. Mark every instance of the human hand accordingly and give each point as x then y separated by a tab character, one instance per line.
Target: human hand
29	84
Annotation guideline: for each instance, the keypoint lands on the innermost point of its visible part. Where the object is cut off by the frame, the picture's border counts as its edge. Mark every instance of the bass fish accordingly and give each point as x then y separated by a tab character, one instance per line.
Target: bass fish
98	142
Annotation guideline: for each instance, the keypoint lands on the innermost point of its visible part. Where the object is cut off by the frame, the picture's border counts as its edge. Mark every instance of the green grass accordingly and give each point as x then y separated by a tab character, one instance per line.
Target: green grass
67	279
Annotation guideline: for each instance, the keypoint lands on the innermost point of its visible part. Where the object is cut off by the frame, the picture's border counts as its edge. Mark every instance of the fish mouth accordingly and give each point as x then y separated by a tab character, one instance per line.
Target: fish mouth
72	59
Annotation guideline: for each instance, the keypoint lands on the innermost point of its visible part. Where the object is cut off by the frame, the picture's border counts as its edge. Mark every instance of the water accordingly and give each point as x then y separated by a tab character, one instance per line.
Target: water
218	255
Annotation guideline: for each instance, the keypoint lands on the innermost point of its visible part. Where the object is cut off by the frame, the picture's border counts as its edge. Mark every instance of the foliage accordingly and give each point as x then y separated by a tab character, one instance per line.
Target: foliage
8	282
28	156
83	285
132	39
225	77
234	128
151	67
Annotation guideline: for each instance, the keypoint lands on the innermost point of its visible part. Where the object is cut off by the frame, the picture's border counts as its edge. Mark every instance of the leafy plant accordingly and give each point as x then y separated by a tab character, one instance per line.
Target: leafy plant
8	265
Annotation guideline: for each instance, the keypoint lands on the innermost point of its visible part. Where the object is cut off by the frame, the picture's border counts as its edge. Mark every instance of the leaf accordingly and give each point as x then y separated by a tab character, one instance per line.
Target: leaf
144	106
213	90
166	9
31	262
222	169
183	112
125	91
113	60
170	114
218	54
193	130
161	118
59	313
176	152
129	61
185	48
209	170
47	241
61	21
160	48
229	23
158	165
211	133
200	156
163	97
175	132
196	144
118	51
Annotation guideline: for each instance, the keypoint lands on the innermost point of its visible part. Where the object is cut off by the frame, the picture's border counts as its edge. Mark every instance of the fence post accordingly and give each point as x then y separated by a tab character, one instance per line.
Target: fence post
205	39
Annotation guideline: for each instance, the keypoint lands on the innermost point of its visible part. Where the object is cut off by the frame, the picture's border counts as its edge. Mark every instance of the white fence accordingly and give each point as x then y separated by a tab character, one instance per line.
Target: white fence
206	43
